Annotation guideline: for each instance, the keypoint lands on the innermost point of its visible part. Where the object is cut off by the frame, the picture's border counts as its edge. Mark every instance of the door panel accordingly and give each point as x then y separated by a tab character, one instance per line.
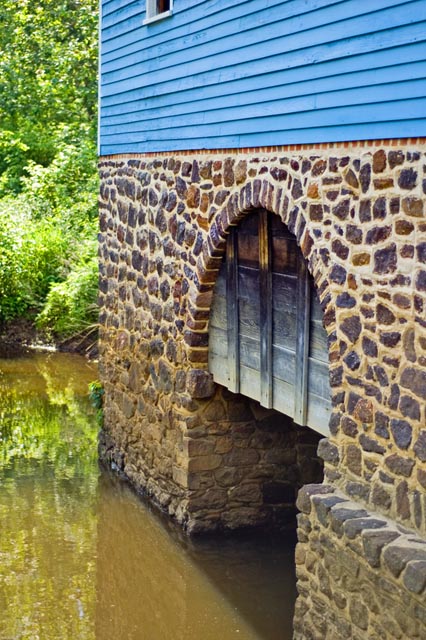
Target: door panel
266	338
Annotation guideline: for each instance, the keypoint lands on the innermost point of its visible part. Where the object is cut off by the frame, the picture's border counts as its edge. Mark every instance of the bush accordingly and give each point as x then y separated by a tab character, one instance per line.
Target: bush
70	306
48	176
31	258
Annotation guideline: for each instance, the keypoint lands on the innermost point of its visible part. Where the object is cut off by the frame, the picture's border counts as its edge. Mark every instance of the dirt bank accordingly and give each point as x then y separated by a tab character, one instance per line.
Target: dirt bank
21	334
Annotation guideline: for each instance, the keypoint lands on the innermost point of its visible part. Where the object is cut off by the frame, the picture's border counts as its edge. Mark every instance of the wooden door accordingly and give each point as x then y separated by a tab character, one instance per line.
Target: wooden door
266	338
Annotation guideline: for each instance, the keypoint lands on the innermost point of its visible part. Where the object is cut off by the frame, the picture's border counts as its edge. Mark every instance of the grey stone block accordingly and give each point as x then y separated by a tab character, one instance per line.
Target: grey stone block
396	556
355	526
373	543
415	576
323	506
339	515
303	502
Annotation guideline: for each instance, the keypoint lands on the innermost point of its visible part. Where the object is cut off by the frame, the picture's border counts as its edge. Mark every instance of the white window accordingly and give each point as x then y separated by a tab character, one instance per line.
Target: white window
157	10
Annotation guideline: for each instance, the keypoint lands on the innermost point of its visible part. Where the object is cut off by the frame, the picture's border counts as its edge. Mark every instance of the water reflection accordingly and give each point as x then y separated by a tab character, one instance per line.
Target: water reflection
154	583
82	558
48	494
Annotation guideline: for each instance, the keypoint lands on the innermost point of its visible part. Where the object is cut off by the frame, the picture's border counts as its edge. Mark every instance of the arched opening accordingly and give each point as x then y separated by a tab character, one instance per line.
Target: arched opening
266	337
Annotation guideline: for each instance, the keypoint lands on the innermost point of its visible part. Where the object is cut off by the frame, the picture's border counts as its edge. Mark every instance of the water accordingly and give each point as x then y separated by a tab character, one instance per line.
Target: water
82	558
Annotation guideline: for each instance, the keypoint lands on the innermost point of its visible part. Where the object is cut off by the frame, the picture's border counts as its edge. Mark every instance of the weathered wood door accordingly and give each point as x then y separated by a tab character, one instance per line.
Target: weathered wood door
266	337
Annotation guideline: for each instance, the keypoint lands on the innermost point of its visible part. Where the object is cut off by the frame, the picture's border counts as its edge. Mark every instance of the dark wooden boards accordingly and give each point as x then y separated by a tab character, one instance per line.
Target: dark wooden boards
266	338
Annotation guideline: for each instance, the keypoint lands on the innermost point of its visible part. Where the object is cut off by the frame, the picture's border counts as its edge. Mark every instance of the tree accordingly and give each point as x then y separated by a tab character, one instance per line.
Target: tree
48	66
48	177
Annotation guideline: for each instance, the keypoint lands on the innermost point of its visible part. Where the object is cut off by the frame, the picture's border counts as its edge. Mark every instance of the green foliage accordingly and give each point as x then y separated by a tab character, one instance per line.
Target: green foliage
48	65
13	158
48	176
31	258
67	188
70	305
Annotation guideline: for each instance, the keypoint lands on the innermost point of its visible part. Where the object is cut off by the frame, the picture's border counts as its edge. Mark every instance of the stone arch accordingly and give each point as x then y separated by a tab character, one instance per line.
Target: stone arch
252	196
272	498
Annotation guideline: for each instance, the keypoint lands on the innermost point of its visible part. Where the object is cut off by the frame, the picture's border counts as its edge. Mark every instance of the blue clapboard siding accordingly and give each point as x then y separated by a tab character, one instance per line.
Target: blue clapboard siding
261	72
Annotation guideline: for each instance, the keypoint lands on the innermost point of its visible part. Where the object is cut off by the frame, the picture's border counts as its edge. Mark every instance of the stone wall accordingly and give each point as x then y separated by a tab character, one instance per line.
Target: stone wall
359	575
229	463
358	215
211	459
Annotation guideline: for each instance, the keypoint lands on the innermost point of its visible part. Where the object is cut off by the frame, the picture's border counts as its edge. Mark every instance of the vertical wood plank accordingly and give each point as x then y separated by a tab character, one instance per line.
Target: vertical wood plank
303	305
265	294
232	311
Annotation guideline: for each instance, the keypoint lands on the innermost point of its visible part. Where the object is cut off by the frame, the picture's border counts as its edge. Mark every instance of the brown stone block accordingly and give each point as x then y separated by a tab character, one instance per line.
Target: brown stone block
421	281
353	459
385	260
204	463
198	355
205	169
198	447
246	493
313	191
361	259
420	446
413	207
180	476
229	476
316	212
214	498
201	300
379	161
240	171
198	314
351	327
378	234
199	383
306	245
396	158
403	227
397	556
374	541
214	411
415	380
351	179
383	183
421	477
380	497
319	167
365	177
328	451
196	339
415	576
407	179
223	444
305	494
241	457
228	173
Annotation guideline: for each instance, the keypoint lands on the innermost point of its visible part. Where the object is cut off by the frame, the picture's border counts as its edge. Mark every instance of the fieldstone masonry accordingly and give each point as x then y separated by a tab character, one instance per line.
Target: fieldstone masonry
213	459
360	575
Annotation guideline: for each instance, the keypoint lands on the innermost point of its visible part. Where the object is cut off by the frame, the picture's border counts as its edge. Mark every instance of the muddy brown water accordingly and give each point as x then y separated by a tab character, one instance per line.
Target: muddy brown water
82	557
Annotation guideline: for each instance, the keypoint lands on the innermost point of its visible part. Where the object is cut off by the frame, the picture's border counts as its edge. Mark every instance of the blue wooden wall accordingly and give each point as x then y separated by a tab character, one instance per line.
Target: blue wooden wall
221	74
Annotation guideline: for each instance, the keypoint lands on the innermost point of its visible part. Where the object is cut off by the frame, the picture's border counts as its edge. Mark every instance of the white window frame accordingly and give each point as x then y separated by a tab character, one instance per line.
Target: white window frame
151	12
